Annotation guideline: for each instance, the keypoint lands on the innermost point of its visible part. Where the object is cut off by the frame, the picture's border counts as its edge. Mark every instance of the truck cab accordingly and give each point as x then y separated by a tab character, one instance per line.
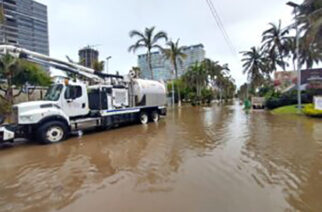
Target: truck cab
67	100
71	97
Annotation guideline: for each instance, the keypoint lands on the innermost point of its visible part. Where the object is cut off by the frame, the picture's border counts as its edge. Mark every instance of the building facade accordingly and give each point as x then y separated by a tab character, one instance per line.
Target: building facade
162	68
25	25
87	56
287	80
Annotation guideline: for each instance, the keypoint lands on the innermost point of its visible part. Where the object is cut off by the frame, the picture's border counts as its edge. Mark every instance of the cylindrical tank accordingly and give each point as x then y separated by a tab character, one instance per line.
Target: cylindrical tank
149	93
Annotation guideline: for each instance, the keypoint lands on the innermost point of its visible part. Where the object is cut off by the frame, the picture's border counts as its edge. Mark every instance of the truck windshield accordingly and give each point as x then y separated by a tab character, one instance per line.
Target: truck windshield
53	92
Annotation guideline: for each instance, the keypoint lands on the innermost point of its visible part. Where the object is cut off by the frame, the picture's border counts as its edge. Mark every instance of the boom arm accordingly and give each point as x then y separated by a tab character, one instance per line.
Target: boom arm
52	62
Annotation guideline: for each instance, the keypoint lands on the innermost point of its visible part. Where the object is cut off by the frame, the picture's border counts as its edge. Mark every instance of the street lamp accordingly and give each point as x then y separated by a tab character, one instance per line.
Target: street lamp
296	8
107	59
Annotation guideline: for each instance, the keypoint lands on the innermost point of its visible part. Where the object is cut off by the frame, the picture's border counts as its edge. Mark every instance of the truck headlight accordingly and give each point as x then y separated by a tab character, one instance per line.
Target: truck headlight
26	118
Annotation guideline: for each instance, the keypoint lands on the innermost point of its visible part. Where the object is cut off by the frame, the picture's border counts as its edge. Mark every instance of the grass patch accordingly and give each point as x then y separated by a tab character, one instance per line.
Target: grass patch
286	110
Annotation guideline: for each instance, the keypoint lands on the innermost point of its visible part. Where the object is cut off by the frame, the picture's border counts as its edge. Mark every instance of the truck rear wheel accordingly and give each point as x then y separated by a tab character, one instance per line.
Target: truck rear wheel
155	117
52	132
144	118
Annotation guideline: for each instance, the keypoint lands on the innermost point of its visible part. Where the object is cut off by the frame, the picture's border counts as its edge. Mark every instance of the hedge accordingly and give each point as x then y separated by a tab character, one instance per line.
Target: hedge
286	99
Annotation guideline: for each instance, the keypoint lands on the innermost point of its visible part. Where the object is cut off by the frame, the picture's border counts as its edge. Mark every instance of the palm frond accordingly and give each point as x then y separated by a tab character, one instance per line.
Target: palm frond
134	33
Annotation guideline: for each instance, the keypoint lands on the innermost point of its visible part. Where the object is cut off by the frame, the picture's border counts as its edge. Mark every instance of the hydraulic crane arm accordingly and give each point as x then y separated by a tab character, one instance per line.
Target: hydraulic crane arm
52	62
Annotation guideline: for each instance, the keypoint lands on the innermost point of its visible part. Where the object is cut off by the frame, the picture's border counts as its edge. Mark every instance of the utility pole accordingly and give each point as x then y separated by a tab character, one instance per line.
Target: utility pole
107	60
296	8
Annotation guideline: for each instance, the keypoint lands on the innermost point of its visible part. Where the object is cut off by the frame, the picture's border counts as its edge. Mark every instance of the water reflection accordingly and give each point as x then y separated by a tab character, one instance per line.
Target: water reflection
198	159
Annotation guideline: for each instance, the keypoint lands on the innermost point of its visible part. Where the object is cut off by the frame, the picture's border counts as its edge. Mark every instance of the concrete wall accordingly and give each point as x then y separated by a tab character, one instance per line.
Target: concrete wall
38	94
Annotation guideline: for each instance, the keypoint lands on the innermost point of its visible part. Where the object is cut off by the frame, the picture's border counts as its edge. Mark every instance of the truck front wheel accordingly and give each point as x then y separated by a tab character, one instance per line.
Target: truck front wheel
52	132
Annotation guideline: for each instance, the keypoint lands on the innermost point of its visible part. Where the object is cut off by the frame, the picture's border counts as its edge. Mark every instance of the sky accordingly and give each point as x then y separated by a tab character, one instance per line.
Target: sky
105	24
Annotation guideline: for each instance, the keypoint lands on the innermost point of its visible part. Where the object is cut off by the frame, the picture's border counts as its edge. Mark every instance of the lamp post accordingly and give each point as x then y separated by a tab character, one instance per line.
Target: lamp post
107	60
297	52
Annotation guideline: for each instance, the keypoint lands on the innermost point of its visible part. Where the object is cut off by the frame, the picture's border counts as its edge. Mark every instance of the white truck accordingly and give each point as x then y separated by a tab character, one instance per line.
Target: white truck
73	104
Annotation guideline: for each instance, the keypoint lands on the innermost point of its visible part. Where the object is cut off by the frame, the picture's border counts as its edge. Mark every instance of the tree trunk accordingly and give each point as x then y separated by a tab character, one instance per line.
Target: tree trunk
150	64
198	90
178	88
9	93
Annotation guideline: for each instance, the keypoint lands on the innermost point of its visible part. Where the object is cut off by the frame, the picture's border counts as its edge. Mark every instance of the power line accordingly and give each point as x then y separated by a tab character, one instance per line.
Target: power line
220	25
217	18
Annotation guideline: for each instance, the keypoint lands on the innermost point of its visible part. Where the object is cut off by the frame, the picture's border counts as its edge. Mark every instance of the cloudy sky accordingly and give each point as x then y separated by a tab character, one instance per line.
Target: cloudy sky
76	23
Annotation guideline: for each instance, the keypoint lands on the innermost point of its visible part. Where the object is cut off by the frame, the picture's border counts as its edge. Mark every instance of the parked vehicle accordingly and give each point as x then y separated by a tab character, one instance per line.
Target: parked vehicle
102	100
258	102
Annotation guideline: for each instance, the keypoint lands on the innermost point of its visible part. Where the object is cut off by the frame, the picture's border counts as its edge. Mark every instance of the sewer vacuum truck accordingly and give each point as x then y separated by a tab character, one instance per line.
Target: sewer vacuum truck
87	99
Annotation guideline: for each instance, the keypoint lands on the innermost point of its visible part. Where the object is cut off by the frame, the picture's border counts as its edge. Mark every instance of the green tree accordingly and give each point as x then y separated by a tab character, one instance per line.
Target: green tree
196	78
98	66
310	18
175	54
310	54
147	40
216	74
16	73
137	72
275	43
229	87
255	66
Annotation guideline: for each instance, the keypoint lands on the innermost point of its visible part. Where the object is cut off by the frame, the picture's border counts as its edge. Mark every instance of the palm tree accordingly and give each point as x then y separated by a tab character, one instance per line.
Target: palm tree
196	78
137	72
9	67
175	54
310	53
229	86
98	65
255	66
275	44
311	19
18	73
148	40
216	73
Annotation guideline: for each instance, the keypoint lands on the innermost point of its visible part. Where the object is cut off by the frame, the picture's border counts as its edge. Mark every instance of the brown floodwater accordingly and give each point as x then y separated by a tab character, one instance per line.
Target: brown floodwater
196	159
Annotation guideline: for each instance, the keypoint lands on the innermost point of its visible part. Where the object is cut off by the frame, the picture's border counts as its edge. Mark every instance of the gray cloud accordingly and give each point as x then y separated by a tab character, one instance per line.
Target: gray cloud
76	23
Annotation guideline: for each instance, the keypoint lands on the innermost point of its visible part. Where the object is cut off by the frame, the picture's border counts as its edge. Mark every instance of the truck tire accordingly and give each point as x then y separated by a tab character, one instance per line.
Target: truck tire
52	132
144	118
155	117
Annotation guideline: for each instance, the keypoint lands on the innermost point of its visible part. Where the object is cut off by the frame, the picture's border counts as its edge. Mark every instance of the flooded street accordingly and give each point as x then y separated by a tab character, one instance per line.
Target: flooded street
196	159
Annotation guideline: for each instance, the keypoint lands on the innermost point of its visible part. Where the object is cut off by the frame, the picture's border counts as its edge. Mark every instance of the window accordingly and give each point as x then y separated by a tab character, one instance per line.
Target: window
73	92
53	93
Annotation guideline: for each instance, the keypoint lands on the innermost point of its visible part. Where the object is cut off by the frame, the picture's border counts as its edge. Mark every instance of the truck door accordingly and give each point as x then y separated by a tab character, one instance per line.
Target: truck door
75	101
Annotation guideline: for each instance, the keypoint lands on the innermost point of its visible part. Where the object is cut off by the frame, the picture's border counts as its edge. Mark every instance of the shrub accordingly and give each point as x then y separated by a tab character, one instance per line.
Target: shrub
266	90
309	110
289	98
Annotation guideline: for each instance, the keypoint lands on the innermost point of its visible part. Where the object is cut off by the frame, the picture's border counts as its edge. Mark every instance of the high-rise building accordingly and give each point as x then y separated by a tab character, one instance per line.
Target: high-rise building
87	56
162	68
25	25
